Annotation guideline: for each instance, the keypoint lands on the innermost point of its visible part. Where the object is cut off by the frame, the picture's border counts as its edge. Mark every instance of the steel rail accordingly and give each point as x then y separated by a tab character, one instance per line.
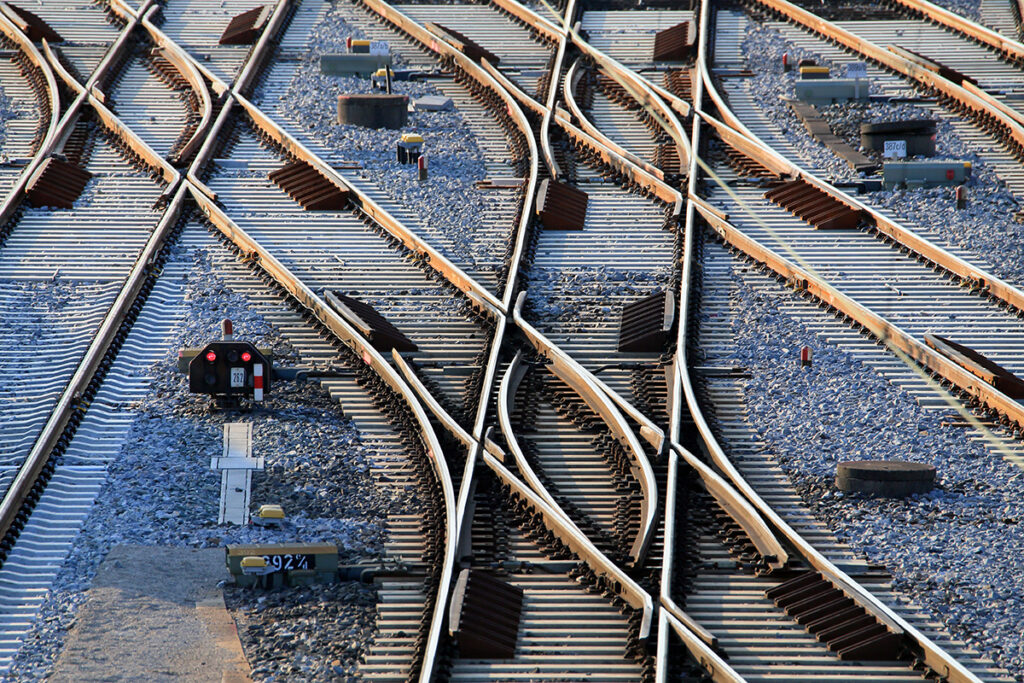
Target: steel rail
572	374
976	277
652	98
572	79
680	368
763	154
494	456
506	395
71	400
160	38
552	94
433	42
717	668
650	183
473	290
13	31
649	95
176	56
363	349
205	199
476	292
901	65
262	48
620	582
1013	49
113	123
666	601
739	509
932	655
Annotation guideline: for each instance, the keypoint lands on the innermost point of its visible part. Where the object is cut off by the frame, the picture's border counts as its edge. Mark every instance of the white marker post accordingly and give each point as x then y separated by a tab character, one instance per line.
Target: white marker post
257	382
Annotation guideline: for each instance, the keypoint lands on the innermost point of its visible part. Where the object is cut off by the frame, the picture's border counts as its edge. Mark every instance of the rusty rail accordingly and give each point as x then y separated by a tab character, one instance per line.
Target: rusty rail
177	56
46	145
1013	49
610	158
485	79
932	655
361	347
572	79
111	122
748	143
650	96
262	47
631	592
435	259
900	65
70	401
575	377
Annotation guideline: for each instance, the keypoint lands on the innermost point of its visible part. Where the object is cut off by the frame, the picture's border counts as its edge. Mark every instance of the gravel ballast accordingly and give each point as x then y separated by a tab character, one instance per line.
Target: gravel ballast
449	202
954	550
160	491
986	230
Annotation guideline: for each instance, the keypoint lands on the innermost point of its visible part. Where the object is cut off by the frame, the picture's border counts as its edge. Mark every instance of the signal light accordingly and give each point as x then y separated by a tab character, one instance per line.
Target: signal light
211	356
246	356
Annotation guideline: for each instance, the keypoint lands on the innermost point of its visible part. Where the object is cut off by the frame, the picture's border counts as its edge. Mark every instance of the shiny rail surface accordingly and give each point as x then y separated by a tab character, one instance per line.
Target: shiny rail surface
574	461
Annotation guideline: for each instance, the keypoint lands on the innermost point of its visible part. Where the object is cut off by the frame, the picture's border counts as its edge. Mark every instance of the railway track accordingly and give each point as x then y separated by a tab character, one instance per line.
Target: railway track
579	503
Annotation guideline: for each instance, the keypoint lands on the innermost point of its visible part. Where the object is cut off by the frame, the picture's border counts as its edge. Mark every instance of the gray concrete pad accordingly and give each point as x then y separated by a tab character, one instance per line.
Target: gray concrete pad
154	614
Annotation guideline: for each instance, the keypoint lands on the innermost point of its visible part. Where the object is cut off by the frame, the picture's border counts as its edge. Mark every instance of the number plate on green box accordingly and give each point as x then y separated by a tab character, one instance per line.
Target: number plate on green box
288	562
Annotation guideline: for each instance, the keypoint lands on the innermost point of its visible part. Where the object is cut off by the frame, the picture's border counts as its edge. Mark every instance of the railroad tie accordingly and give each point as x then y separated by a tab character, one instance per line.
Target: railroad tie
835	620
814	205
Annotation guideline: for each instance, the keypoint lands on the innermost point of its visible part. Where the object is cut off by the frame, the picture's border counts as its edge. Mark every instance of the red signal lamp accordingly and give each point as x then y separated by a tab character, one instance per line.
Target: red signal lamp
211	356
246	356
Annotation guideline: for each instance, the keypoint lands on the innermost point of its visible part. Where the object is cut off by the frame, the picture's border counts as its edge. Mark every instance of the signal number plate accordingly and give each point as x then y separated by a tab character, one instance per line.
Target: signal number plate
237	378
283	563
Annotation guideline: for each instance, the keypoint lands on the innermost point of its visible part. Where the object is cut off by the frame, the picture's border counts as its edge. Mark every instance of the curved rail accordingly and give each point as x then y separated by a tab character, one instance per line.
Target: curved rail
484	78
111	122
650	183
509	383
744	141
378	363
572	374
11	30
620	582
552	95
650	96
572	79
737	507
177	56
932	655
